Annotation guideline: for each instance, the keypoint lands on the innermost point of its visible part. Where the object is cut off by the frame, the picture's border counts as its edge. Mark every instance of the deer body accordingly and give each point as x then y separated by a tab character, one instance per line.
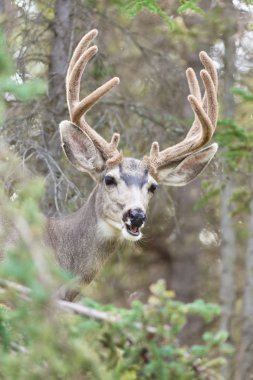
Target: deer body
79	240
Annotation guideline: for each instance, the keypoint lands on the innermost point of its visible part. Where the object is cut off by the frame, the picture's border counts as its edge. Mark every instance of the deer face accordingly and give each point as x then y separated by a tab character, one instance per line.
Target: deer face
124	194
126	185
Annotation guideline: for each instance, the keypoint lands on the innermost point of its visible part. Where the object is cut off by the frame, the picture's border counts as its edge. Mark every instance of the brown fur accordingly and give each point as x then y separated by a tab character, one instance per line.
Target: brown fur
77	240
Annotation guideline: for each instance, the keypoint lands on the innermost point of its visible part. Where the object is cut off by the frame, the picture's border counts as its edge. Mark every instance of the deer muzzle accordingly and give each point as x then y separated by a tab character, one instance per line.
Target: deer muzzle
134	219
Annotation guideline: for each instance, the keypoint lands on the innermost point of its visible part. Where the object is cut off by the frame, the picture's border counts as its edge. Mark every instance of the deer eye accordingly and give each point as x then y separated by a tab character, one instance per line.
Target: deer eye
152	188
110	181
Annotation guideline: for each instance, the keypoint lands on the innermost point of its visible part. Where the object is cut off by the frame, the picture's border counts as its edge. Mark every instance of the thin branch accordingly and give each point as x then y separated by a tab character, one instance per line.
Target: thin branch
79	309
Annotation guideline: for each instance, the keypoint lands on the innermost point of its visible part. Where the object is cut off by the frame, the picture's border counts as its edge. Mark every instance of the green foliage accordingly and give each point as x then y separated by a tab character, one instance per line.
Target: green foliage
249	2
207	197
236	145
132	8
236	141
242	93
192	6
22	91
144	343
141	343
241	199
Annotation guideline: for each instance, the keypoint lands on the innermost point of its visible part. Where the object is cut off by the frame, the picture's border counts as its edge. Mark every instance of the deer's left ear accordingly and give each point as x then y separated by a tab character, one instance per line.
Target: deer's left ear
188	169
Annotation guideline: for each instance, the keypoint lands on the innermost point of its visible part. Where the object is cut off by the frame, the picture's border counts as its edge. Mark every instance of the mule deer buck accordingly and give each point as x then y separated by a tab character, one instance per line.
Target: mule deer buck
116	208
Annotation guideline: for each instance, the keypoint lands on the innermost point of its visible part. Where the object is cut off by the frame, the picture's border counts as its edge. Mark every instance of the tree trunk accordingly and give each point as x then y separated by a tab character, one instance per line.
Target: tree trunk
56	107
60	53
228	256
186	249
245	360
2	7
228	248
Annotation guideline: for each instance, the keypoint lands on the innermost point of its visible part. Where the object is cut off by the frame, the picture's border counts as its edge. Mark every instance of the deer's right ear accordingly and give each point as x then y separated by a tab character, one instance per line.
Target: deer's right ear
80	150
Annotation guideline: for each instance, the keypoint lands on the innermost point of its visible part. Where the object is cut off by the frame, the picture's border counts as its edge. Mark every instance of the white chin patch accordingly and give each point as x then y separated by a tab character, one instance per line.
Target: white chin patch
110	229
129	236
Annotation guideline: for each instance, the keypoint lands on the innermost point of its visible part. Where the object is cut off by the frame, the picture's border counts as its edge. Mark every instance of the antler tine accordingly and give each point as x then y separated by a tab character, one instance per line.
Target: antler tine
74	78
210	103
212	109
193	83
89	101
81	56
82	46
204	124
209	66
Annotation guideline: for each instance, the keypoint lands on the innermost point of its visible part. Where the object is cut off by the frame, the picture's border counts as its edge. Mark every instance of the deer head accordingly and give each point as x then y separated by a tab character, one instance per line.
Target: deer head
126	185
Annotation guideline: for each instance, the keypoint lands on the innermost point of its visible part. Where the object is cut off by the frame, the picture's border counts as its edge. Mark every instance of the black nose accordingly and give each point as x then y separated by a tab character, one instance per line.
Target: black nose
136	216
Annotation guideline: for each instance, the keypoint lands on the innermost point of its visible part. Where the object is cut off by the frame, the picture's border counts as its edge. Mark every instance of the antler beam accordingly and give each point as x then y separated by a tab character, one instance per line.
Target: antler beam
205	110
78	108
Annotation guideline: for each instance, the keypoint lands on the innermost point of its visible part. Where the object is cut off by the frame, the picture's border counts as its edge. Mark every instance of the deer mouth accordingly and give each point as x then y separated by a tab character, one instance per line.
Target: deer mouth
132	230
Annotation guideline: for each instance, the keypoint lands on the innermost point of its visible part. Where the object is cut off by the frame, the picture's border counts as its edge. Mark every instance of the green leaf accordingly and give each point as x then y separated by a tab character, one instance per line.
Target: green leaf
244	94
25	91
206	198
190	5
199	351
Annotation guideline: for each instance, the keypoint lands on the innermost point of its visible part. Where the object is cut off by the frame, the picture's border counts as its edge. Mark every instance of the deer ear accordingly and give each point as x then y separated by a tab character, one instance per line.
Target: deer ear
188	169
80	150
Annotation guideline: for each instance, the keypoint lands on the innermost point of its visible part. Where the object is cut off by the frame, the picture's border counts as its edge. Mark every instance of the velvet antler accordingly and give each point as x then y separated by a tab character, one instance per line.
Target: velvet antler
78	108
203	127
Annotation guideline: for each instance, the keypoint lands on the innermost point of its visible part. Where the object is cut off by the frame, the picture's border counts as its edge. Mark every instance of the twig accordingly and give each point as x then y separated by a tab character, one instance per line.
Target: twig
87	311
13	285
79	309
16	347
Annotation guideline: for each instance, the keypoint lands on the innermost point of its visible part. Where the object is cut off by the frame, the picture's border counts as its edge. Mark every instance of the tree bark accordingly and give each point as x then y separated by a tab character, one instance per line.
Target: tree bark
60	52
56	106
245	359
2	6
62	27
186	249
228	256
228	248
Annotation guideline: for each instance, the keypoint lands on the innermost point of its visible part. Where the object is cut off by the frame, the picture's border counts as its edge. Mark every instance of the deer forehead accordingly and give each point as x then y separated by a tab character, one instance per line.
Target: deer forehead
132	172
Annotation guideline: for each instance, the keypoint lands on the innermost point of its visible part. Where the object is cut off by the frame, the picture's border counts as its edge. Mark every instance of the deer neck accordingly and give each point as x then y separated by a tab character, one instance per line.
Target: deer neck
83	240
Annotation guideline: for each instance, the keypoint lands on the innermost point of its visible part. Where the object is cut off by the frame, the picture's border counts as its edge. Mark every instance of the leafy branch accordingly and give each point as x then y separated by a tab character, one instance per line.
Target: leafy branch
133	8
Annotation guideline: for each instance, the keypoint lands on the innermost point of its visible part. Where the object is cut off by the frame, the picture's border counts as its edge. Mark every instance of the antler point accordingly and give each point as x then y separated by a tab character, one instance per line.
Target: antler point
203	73
116	80
189	70
191	98
94	32
94	48
115	140
202	54
204	58
154	151
206	77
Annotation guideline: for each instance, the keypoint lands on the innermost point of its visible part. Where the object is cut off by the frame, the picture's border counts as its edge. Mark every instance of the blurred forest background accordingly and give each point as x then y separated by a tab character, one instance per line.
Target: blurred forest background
199	239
